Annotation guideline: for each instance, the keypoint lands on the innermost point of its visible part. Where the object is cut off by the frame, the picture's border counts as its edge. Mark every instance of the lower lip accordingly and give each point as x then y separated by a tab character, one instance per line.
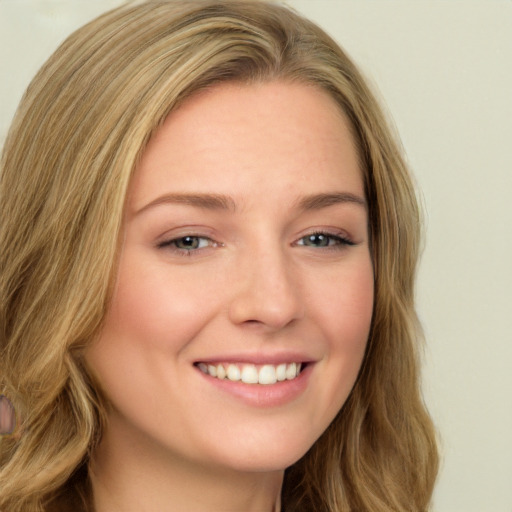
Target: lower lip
263	395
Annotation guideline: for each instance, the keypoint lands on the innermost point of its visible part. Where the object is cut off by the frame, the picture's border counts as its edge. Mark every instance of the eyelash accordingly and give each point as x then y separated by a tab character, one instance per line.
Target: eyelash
172	244
340	242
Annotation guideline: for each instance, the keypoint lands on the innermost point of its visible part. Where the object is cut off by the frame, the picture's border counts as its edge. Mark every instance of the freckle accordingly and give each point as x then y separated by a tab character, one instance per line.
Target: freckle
7	416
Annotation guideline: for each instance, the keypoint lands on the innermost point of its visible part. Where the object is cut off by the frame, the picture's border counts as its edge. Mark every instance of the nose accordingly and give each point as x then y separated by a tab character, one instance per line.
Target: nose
266	291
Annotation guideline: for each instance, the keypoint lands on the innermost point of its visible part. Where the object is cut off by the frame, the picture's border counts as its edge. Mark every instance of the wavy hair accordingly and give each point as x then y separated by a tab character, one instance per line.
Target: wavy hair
75	141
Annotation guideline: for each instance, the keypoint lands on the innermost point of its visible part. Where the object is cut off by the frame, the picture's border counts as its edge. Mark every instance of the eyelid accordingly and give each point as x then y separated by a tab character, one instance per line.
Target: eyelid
169	243
342	238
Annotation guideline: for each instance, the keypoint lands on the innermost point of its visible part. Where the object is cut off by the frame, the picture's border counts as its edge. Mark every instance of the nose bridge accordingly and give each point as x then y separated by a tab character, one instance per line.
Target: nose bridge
267	287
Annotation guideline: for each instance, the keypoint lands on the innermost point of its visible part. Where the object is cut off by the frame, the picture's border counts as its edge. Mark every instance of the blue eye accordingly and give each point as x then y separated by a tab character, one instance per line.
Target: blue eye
324	240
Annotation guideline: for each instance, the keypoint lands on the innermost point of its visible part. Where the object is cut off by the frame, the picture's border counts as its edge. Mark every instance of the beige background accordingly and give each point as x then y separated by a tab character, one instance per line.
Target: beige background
444	70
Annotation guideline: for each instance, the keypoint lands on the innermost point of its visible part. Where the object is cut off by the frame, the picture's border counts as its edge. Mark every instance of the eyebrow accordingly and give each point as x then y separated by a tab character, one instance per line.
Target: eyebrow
204	201
319	201
223	202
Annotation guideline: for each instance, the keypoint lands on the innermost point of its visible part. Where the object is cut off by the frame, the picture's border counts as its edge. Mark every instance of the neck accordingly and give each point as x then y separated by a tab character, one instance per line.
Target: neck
131	475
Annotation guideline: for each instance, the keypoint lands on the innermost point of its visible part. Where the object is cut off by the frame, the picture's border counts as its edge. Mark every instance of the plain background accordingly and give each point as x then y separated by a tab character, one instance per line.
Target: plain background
443	69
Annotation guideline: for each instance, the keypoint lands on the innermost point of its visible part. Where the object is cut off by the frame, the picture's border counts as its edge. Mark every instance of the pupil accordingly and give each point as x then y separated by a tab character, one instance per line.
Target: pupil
318	240
188	242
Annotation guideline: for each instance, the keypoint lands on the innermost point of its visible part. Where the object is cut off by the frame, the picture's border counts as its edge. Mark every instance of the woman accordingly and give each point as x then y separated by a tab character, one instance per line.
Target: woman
209	240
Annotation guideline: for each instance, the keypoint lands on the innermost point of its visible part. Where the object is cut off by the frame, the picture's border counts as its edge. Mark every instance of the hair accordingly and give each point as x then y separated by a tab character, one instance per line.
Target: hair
75	141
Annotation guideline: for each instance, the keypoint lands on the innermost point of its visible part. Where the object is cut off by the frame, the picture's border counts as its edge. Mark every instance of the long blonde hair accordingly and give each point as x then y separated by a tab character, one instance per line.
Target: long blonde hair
74	143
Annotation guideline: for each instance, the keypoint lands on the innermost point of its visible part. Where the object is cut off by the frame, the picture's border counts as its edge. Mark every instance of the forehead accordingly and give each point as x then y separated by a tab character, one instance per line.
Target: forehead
237	136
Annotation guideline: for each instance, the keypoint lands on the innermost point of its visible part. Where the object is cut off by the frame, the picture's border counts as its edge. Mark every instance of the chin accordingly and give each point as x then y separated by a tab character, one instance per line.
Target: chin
265	454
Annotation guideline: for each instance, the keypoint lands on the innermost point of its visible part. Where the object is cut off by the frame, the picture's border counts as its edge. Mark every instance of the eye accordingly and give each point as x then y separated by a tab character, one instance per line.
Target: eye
190	243
187	244
324	240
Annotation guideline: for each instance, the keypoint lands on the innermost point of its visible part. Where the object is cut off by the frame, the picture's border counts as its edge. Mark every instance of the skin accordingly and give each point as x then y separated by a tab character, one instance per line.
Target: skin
258	286
7	416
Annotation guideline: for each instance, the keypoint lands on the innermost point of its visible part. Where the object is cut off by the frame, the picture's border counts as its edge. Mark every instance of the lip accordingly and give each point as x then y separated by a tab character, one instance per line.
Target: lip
260	395
258	359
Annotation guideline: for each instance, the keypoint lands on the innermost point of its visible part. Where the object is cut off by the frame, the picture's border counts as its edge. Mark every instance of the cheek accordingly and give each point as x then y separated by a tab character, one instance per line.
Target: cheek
157	308
344	312
341	307
344	306
153	318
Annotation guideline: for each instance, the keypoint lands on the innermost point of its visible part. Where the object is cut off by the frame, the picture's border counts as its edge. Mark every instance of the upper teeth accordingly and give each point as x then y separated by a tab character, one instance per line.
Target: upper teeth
252	374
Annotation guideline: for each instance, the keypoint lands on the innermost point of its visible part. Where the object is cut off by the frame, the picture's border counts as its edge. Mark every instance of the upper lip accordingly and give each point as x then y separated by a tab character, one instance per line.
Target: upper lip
258	359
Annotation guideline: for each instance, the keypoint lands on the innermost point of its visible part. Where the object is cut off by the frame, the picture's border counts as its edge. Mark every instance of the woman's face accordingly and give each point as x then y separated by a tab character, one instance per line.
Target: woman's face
245	253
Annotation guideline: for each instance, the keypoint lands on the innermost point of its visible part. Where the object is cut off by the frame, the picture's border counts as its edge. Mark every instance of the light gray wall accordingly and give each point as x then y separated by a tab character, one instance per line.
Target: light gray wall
443	69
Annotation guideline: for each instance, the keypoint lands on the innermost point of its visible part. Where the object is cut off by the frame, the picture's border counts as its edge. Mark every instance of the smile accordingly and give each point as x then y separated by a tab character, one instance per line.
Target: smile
252	374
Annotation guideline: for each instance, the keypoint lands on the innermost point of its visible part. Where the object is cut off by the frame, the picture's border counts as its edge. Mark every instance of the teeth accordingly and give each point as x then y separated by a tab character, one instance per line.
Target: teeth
267	374
221	372
250	374
291	371
281	372
233	372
